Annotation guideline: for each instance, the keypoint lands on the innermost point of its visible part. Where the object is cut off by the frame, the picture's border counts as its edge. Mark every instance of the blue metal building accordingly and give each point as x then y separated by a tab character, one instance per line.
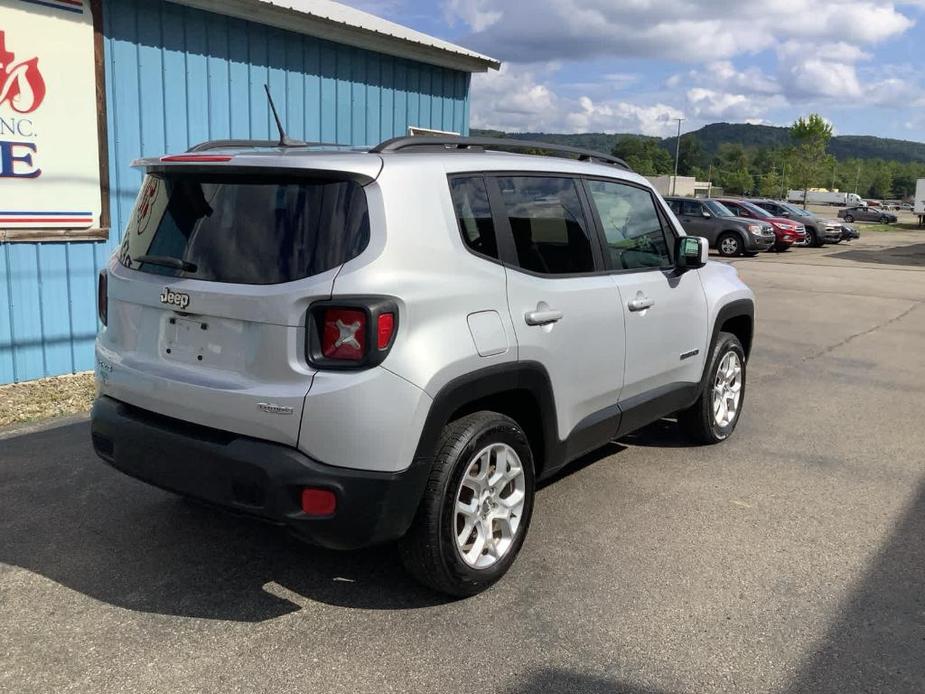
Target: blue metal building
181	72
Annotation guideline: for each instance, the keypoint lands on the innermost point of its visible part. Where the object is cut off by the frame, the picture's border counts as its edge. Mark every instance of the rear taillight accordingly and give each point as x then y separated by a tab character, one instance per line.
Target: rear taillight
102	297
344	335
351	333
385	329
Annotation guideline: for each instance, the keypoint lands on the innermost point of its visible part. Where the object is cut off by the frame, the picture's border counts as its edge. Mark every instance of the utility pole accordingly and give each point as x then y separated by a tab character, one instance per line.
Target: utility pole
857	179
834	168
677	156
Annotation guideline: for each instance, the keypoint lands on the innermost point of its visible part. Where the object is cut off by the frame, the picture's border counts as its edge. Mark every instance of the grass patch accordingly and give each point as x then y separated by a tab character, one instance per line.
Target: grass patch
888	227
46	398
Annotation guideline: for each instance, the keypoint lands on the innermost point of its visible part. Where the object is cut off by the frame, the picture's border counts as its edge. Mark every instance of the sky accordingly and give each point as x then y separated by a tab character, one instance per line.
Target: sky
636	65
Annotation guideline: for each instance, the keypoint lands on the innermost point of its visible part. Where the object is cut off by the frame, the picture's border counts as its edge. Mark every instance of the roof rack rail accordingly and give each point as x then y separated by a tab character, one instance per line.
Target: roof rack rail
230	144
424	142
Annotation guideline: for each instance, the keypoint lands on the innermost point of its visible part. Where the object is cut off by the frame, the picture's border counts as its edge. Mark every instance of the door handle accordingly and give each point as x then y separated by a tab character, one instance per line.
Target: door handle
641	303
543	317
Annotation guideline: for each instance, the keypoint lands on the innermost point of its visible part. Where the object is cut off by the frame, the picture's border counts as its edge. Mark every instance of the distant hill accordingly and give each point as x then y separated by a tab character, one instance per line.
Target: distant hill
711	136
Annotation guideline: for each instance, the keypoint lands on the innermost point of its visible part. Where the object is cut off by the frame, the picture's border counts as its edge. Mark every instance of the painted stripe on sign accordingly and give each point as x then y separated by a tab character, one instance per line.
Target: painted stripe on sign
38	220
43	213
66	5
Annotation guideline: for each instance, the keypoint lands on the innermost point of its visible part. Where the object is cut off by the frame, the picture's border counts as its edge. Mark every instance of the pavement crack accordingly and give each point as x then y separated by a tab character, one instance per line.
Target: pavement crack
851	338
767	377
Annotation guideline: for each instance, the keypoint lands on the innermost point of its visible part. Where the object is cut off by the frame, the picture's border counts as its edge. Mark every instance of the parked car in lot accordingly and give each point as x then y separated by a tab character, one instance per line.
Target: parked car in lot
728	234
399	343
819	230
849	232
867	214
787	232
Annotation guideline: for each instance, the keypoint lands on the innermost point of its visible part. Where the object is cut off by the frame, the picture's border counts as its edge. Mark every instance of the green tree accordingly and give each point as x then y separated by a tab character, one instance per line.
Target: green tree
691	157
769	185
732	156
809	161
644	155
882	185
738	182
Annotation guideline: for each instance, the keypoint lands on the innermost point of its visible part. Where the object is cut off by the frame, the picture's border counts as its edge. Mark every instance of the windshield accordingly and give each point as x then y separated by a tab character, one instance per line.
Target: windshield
759	212
246	229
718	209
798	211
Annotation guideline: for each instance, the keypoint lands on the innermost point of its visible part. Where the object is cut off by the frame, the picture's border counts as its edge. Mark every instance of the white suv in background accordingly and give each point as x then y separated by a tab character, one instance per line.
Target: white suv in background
398	343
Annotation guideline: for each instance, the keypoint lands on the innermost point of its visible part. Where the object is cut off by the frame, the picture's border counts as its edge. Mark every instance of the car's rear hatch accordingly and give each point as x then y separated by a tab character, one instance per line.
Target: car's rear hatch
208	293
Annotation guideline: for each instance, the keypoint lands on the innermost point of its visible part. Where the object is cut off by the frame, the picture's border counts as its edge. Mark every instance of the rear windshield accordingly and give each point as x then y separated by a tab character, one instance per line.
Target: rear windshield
244	229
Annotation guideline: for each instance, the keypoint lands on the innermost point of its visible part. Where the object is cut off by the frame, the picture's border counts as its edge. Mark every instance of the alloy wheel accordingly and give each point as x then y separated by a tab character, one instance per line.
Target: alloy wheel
727	389
729	246
489	505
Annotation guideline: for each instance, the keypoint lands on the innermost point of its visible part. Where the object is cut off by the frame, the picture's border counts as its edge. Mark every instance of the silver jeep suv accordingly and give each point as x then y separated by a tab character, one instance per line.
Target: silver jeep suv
398	343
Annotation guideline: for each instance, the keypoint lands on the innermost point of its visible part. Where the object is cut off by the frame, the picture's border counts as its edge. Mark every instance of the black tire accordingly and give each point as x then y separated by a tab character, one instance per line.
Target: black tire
812	239
733	244
884	219
698	421
849	218
428	551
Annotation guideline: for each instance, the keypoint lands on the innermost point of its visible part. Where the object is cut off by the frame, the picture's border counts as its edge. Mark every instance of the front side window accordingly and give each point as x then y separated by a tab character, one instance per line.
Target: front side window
473	213
245	229
691	208
551	234
632	226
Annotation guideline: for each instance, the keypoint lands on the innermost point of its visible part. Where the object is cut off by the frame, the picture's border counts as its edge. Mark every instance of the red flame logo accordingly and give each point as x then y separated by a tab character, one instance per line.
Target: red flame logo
21	84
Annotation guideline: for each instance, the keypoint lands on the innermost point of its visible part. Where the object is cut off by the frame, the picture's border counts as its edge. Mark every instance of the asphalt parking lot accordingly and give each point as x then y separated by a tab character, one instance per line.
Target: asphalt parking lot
789	559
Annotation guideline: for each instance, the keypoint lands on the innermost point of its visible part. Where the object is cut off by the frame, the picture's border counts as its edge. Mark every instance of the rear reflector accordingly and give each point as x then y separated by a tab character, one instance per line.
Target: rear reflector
385	327
201	158
102	297
344	334
318	502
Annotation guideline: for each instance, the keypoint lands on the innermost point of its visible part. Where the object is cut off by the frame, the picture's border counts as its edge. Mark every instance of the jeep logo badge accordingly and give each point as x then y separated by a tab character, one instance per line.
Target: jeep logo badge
172	298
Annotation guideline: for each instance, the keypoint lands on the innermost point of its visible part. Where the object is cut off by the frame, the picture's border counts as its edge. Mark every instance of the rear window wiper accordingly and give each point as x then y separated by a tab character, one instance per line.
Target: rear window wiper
167	261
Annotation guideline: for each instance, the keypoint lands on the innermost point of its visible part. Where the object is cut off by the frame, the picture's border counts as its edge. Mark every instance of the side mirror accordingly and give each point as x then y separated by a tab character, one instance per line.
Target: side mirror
691	252
706	214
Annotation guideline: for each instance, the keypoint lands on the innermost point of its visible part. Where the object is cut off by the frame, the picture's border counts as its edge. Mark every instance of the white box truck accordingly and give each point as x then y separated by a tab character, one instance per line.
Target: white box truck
824	197
918	206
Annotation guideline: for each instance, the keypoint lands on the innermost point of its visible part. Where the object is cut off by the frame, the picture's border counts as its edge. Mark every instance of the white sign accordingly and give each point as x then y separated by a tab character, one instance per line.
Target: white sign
49	148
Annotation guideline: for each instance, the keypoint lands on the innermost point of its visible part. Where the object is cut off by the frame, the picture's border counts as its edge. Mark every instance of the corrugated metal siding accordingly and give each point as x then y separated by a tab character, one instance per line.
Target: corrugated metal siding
176	76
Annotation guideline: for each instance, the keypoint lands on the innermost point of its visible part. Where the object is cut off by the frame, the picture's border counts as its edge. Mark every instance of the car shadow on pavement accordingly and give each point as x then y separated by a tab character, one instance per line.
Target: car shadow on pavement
877	642
71	518
558	681
67	516
913	255
664	433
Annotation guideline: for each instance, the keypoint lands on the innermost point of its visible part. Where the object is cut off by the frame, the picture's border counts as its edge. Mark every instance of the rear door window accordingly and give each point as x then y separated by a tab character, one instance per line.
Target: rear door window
244	229
550	232
473	213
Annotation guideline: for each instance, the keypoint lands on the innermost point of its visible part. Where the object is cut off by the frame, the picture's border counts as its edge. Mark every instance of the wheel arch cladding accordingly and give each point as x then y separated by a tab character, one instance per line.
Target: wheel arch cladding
736	317
522	391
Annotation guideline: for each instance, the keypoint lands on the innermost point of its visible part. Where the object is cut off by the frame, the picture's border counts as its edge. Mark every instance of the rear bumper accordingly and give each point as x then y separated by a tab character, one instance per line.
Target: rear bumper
257	478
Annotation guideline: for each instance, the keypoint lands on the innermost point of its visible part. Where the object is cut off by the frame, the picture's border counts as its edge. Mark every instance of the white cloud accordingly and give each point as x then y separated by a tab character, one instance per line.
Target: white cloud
513	99
685	30
475	13
622	116
817	55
